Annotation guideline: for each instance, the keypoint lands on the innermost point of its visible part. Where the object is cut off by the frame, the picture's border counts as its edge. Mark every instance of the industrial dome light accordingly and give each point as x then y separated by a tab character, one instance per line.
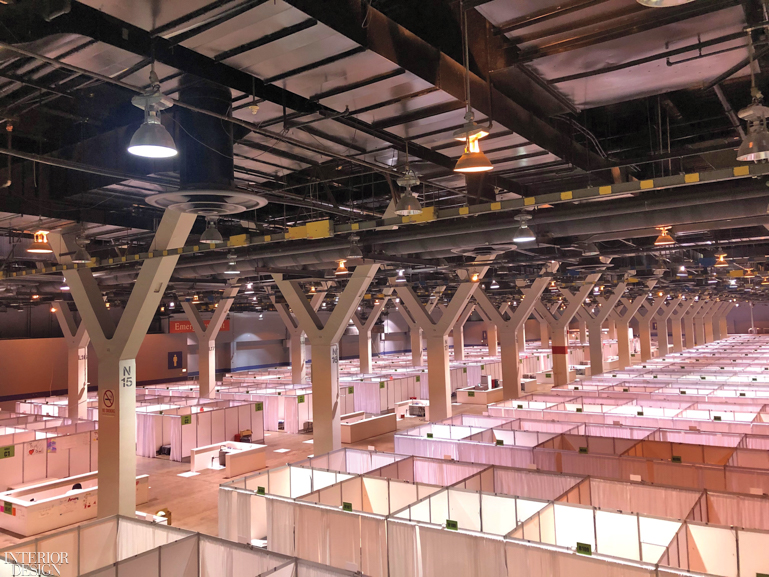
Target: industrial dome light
40	243
473	160
524	233
152	140
211	235
354	252
232	264
408	205
81	255
663	3
470	129
664	239
341	269
721	260
755	146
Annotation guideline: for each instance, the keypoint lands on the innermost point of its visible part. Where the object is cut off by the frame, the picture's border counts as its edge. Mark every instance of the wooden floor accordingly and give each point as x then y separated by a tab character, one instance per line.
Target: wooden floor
193	501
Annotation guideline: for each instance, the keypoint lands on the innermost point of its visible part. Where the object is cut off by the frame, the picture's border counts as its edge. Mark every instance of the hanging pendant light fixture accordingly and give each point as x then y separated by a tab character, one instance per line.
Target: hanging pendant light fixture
721	260
354	252
211	235
341	270
524	233
755	145
400	277
40	243
152	140
663	3
408	205
472	160
494	284
232	264
81	255
664	239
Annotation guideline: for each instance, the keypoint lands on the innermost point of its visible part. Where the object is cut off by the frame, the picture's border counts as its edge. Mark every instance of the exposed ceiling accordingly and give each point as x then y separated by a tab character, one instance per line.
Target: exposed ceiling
331	100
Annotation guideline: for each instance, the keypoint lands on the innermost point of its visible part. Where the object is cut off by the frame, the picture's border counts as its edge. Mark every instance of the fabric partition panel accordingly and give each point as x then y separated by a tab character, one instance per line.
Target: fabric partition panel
373	540
189	437
280	527
176	438
753	558
532	484
65	541
145	564
465	509
648	500
712	550
98	545
218	558
451	553
750	512
218	427
180	559
203	429
134	537
402	553
617	535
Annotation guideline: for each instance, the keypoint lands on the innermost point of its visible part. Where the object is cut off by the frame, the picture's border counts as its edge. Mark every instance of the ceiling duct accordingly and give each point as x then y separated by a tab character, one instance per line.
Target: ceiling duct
206	165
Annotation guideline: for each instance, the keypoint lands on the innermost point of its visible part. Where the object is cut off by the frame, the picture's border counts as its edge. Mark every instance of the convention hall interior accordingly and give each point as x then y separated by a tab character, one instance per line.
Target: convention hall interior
384	288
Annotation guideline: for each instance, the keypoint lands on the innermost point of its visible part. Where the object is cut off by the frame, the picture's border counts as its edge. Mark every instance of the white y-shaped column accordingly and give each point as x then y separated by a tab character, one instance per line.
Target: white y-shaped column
676	325
582	332
594	318
509	332
364	331
415	330
611	325
559	326
436	333
663	314
645	325
207	334
700	321
296	342
324	342
720	328
76	338
707	321
492	335
689	318
116	348
459	332
622	321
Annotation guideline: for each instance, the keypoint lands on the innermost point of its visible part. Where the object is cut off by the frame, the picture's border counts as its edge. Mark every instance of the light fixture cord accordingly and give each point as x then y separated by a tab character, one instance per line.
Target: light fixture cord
465	53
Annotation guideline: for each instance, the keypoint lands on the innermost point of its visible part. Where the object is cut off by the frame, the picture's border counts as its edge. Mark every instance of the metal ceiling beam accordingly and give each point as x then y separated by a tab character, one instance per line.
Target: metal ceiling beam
372	29
266	39
419	114
547	14
101	27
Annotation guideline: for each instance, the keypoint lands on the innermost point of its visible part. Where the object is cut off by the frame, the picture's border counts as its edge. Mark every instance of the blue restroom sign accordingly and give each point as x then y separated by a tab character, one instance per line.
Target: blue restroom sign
174	360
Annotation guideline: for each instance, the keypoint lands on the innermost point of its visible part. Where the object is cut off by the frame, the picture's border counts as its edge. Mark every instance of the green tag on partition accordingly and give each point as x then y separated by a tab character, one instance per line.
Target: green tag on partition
7	508
186	419
584	549
453	525
259	406
520	406
654	377
464	369
682	392
583	450
483	367
381	385
625	390
579	409
676	459
722	368
429	435
419	378
548	375
742	394
350	390
300	399
576	388
754	379
614	376
702	378
7	452
716	417
500	442
470	393
644	366
346	506
260	491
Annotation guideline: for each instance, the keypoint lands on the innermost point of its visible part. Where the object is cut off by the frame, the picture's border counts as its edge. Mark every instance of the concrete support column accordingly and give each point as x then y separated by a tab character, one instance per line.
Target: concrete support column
459	332
622	316
676	325
645	325
493	339
708	321
720	330
593	318
689	317
582	333
612	326
436	332
364	331
77	341
544	331
509	332
116	348
297	344
521	337
207	333
324	340
700	321
663	315
559	325
415	330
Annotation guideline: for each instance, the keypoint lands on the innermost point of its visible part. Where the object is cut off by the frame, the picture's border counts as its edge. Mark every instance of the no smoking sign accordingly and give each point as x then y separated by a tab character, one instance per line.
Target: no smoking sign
108	404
